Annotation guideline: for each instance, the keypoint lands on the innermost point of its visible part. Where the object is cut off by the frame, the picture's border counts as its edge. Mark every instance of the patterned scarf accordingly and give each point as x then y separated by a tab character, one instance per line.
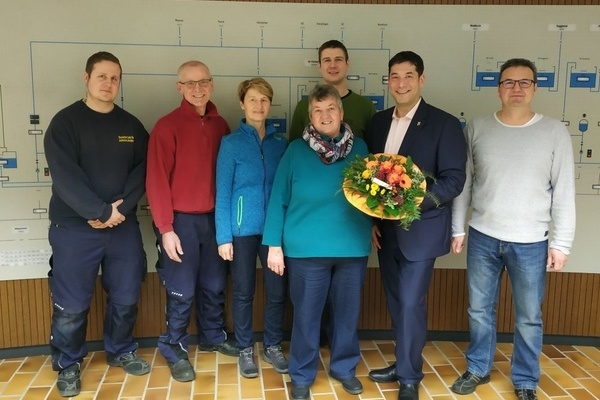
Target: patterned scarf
329	151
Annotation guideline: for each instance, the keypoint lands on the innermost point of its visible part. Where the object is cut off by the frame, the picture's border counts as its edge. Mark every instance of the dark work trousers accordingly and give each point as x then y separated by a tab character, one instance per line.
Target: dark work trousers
312	281
406	284
243	273
78	252
201	276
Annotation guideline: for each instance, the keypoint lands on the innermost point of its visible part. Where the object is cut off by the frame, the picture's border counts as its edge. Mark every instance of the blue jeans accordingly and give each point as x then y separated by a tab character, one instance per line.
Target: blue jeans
243	273
526	266
311	281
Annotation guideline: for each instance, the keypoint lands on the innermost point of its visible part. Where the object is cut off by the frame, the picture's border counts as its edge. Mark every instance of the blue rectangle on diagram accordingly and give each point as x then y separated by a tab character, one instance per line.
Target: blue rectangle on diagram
487	79
279	123
545	79
377	102
583	80
8	163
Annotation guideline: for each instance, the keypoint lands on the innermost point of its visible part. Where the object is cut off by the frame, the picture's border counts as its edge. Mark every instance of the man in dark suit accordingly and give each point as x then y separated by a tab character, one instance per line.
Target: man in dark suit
435	141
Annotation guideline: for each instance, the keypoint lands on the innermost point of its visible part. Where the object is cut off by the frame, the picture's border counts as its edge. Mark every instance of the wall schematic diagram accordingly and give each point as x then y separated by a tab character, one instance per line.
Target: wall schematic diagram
463	53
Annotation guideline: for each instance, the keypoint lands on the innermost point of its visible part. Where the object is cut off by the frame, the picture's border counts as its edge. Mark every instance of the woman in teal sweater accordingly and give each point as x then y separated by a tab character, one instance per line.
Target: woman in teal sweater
325	240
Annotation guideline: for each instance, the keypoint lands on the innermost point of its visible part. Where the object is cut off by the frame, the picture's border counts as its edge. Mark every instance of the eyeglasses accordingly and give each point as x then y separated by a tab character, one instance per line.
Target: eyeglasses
192	84
523	83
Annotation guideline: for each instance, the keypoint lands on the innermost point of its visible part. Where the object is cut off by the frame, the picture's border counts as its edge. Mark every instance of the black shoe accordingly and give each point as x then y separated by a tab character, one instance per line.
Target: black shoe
351	385
384	375
526	394
300	392
226	347
69	381
408	391
468	382
182	370
130	362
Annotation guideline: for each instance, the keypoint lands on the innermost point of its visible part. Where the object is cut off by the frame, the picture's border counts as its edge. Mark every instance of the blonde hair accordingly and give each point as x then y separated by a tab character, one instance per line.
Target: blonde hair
262	86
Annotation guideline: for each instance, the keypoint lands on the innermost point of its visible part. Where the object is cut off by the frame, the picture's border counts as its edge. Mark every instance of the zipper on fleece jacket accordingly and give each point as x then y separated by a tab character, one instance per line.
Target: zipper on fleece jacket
240	212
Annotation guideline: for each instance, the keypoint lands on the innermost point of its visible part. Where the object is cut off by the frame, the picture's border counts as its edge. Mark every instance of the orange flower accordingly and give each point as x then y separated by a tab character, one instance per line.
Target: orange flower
386	166
405	181
372	164
394	178
399	169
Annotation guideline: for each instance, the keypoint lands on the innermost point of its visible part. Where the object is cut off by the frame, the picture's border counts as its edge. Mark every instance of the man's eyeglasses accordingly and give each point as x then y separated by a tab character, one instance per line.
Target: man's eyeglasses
201	83
510	83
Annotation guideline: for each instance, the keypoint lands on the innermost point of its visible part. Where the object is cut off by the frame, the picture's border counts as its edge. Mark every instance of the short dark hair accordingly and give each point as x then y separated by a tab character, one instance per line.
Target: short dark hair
321	92
99	57
407	56
333	44
518	62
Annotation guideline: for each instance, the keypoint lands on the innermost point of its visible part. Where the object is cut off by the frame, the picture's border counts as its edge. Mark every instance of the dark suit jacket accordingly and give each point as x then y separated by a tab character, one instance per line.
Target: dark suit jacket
436	143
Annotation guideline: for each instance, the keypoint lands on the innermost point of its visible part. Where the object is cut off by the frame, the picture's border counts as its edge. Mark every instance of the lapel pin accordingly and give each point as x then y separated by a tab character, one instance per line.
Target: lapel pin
419	123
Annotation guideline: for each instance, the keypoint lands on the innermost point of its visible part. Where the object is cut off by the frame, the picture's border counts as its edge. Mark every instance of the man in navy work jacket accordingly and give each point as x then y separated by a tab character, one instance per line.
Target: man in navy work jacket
96	152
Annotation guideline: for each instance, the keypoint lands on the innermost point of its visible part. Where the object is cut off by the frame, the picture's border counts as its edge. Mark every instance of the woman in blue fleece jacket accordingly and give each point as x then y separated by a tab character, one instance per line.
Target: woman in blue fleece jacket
246	165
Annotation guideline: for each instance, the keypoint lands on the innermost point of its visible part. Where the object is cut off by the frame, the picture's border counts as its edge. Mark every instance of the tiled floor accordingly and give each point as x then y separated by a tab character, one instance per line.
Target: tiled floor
568	372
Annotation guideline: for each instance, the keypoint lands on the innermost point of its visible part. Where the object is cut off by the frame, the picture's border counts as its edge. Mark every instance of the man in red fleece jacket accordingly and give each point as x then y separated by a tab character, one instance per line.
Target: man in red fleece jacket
180	184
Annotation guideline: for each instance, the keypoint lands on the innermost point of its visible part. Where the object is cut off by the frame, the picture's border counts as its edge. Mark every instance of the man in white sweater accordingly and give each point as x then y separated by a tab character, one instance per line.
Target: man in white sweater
520	178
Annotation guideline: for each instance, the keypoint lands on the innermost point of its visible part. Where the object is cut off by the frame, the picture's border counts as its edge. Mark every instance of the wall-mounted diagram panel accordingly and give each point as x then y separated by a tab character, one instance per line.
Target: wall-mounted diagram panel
463	52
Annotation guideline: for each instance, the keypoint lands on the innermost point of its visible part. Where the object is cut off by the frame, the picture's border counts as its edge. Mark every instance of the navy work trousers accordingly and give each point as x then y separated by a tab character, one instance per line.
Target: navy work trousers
201	276
78	252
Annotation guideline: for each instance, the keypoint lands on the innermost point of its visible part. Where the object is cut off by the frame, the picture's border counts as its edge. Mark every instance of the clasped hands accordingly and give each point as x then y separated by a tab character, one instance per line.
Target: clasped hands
115	218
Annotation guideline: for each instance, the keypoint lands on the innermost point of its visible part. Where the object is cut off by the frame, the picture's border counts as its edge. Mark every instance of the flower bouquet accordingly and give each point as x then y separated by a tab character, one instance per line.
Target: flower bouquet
386	186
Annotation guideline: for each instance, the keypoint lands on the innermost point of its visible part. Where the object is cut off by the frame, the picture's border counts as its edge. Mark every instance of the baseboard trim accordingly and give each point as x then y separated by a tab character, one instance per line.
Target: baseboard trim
29	351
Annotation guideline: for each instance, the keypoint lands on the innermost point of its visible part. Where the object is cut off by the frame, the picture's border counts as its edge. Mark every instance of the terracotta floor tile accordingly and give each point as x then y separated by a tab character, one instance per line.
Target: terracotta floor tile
562	378
434	356
447	373
550	387
18	384
569	373
45	377
114	375
449	349
227	374
552	351
36	393
135	385
203	397
180	390
206	361
271	379
373	359
322	384
156	394
573	369
33	364
109	391
592	353
204	383
160	377
592	385
251	388
90	379
582	360
227	392
8	368
276	394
